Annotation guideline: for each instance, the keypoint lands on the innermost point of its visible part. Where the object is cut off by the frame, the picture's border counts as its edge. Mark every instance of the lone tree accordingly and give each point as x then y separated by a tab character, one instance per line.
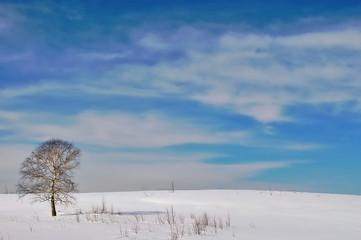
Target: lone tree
47	173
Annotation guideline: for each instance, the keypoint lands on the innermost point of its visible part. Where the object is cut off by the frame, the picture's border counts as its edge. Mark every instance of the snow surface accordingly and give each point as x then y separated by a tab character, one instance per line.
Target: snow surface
142	215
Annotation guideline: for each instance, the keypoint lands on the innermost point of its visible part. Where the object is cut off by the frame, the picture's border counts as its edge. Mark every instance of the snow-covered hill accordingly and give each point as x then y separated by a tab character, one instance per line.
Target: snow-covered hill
208	214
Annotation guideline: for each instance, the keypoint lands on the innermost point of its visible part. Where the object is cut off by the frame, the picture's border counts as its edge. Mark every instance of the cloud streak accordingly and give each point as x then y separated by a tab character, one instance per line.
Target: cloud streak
115	129
259	76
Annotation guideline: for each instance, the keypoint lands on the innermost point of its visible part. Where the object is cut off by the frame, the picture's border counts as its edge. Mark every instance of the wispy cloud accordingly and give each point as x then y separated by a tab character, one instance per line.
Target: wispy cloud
101	56
254	75
346	39
259	76
304	147
153	42
115	129
13	57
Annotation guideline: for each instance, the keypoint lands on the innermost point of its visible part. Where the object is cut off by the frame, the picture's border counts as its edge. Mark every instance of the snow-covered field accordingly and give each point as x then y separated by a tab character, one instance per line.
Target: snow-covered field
208	214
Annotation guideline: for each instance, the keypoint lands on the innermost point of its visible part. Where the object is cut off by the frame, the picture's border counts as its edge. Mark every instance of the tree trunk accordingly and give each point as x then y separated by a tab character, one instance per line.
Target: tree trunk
53	211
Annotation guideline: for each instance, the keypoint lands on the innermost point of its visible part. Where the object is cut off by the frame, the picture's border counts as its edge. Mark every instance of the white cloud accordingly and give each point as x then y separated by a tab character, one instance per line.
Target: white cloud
349	39
32	90
144	130
102	56
254	75
258	106
304	147
152	41
115	129
6	58
10	116
147	157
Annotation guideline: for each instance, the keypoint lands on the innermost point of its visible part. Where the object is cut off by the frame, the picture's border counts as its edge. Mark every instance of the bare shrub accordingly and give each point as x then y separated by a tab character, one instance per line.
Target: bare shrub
177	230
228	221
5	236
160	219
136	228
123	231
214	224
201	223
170	215
111	209
198	226
173	235
95	209
179	226
181	218
77	217
205	219
220	223
104	208
181	229
136	216
150	229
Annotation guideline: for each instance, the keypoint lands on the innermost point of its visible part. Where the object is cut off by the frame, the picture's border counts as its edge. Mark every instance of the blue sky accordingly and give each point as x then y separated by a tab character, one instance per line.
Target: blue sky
208	94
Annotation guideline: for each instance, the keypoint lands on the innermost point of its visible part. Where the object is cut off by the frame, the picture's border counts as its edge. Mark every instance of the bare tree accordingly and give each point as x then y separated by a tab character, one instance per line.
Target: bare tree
47	173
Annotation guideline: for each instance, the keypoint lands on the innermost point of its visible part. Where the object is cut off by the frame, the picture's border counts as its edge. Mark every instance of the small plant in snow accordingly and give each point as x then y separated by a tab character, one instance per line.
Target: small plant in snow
111	209
198	226
77	215
228	221
136	216
136	228
123	231
170	215
220	223
205	219
104	208
150	229
160	219
179	226
214	224
181	218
